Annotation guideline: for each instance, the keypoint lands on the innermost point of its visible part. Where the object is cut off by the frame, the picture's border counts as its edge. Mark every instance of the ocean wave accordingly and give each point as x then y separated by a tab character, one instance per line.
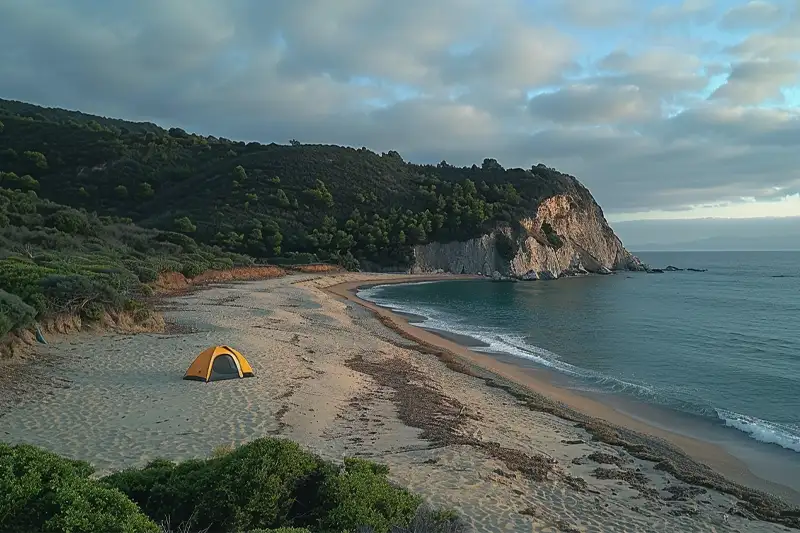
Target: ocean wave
762	430
367	293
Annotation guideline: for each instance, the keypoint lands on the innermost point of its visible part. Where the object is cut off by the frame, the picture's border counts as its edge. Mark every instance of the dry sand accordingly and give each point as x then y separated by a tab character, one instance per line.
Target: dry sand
332	376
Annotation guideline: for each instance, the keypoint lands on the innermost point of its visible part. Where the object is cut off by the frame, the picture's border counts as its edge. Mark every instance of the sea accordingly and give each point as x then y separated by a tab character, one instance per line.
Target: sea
714	355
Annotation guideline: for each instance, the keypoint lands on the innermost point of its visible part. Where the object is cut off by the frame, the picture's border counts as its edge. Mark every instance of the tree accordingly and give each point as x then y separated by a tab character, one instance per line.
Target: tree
184	225
146	190
2	126
272	237
24	183
121	191
320	194
491	164
37	158
239	173
294	142
281	198
178	133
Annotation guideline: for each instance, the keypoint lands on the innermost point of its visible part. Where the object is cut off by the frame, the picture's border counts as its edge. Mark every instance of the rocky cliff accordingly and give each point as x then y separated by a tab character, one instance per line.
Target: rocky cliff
566	236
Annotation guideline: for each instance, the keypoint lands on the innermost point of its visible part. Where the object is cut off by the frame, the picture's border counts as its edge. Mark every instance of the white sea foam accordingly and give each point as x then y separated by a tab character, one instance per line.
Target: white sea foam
762	430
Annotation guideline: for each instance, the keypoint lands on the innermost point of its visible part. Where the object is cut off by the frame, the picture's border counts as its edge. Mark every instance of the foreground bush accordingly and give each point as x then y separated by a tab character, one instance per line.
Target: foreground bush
268	483
41	491
14	313
267	486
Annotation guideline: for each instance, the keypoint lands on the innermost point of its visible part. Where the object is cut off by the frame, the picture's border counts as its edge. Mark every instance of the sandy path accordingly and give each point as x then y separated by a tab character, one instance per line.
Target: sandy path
332	377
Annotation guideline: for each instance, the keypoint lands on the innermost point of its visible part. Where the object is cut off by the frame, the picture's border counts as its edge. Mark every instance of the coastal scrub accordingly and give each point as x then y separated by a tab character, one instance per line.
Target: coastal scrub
266	485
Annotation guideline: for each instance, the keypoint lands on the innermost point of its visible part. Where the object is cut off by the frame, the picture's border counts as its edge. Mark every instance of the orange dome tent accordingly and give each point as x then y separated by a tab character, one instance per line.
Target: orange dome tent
219	362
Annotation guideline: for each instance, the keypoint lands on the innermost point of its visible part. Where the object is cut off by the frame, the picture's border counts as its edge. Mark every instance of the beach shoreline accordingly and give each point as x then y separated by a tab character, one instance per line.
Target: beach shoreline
342	380
712	455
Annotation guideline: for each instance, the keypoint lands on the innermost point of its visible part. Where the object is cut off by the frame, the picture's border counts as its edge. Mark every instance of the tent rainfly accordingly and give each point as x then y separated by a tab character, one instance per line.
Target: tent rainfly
219	362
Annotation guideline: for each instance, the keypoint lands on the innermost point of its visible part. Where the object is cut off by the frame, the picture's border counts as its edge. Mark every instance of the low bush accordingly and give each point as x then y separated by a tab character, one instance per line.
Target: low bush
191	270
55	259
269	483
552	237
360	494
266	486
41	491
14	313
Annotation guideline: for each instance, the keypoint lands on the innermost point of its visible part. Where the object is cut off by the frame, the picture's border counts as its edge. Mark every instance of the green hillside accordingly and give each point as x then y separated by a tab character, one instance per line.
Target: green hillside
58	260
269	201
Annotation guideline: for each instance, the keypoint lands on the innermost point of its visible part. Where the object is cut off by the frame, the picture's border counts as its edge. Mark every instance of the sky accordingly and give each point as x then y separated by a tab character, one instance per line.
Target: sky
665	109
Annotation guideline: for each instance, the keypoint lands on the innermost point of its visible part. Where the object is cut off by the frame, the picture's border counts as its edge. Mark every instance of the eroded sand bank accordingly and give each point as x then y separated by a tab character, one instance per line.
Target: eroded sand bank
331	376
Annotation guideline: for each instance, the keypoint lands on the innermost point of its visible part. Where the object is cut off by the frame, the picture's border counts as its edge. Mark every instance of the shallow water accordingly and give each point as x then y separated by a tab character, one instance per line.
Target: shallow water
721	346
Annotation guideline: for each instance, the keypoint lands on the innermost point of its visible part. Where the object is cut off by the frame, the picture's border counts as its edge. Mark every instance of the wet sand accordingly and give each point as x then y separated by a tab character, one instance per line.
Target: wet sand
342	380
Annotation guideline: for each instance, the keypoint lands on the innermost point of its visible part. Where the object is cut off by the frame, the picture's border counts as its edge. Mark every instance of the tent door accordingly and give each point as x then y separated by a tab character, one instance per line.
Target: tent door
223	367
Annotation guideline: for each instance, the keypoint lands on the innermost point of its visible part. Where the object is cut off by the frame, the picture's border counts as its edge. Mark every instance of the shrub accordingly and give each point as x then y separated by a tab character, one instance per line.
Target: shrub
92	312
163	264
22	278
184	241
269	483
184	225
267	486
360	494
191	270
347	261
71	293
14	313
250	487
222	263
281	530
552	237
40	491
144	273
427	520
146	291
69	221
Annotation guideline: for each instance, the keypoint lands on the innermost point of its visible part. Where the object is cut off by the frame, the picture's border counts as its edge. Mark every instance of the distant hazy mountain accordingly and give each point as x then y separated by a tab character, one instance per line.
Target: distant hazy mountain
757	234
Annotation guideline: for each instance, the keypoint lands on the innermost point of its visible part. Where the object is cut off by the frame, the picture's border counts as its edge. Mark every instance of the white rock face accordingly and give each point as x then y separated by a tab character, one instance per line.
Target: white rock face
589	245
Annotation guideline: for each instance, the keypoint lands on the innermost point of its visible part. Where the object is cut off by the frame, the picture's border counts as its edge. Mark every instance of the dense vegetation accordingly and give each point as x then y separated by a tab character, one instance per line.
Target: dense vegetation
266	485
281	202
58	260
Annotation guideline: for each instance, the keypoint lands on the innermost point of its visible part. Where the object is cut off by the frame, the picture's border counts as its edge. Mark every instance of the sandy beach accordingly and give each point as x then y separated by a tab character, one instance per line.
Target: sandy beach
508	450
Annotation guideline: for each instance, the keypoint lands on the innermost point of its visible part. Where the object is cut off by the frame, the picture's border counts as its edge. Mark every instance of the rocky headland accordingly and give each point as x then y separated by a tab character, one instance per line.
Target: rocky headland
568	235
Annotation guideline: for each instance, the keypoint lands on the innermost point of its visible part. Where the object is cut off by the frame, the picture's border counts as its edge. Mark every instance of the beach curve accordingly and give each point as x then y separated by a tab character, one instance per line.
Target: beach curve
332	377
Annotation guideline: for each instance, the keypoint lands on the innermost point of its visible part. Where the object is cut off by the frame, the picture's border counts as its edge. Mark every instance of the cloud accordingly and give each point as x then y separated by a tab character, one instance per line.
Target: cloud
753	14
610	13
661	115
592	104
686	12
752	82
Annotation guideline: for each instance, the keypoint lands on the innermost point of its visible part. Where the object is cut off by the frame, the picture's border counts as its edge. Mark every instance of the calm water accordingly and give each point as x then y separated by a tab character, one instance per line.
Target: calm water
722	346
